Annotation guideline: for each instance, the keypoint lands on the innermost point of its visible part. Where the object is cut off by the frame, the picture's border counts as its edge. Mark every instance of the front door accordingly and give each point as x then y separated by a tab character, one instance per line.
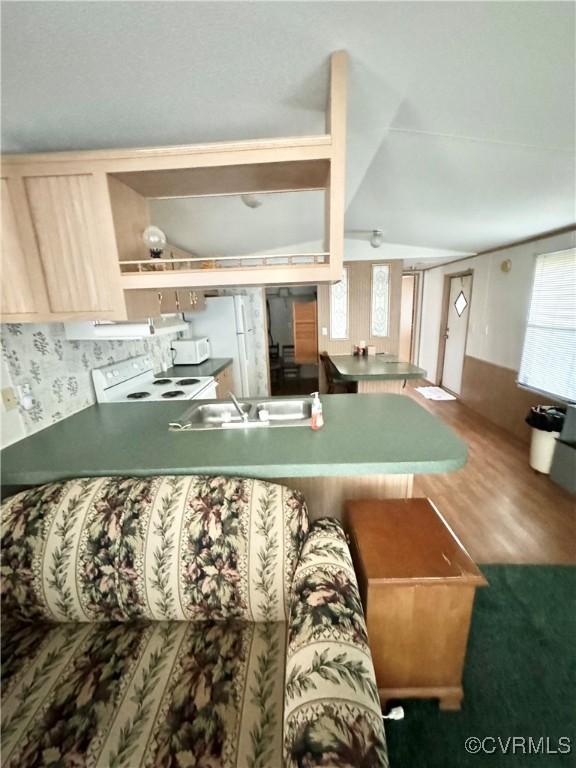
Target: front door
406	318
455	332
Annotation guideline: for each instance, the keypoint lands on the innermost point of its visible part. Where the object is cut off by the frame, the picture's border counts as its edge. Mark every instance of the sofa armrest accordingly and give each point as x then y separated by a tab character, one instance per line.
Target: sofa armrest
331	704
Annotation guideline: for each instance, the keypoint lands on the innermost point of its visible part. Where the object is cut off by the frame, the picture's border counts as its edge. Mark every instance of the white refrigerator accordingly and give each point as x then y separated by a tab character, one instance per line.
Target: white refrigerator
227	321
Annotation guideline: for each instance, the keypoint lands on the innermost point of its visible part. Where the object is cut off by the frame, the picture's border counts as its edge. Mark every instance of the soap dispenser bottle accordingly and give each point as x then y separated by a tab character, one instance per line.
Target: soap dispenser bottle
317	417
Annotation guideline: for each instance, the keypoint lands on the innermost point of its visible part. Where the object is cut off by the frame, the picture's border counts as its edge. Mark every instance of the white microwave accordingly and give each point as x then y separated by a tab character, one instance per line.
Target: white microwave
190	351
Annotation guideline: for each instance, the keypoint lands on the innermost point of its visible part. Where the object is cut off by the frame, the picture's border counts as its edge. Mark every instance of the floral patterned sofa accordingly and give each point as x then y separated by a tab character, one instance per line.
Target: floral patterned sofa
181	621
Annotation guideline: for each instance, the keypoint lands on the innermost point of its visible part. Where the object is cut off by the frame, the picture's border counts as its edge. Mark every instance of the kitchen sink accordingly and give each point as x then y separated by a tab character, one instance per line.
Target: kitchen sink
216	413
263	413
287	409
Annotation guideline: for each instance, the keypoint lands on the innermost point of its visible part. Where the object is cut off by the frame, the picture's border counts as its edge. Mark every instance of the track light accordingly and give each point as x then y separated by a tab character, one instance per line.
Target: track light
376	238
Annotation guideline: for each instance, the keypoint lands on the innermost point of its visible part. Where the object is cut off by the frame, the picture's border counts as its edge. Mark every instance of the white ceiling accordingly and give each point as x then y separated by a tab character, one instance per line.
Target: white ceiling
461	118
224	226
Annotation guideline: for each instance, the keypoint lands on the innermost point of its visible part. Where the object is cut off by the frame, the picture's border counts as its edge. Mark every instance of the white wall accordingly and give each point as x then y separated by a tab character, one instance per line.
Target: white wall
499	306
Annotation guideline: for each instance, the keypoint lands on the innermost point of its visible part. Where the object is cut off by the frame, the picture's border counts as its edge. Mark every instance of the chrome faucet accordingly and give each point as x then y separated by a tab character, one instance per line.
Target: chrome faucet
243	414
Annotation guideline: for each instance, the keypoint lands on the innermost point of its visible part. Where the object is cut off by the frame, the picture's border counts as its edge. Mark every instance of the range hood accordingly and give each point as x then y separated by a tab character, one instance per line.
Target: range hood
102	329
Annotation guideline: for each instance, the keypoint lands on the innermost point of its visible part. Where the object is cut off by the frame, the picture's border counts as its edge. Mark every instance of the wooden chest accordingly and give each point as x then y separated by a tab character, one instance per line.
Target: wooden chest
417	584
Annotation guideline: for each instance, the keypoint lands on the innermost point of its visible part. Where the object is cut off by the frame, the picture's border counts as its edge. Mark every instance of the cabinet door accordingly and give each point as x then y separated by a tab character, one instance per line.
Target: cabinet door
225	383
141	305
72	221
305	332
169	303
191	299
23	291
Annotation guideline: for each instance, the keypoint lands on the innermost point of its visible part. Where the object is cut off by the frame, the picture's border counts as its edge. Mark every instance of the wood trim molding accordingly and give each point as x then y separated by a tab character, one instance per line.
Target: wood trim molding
143	154
491	391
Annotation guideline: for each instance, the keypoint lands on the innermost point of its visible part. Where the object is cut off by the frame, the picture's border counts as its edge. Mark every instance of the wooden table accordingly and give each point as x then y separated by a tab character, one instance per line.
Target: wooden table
376	373
417	584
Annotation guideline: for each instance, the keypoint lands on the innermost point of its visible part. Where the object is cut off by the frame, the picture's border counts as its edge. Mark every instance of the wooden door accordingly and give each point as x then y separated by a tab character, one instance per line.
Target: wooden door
456	331
305	325
406	318
23	292
72	221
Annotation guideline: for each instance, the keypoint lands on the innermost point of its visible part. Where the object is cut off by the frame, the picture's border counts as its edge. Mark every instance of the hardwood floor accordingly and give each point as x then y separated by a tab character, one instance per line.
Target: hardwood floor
501	509
294	387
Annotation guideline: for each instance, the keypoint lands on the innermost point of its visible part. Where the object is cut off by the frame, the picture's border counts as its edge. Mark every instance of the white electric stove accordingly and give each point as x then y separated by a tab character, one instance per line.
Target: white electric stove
133	381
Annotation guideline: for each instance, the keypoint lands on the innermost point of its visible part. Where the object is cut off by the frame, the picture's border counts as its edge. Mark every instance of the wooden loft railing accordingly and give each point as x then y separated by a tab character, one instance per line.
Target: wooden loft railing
290	268
213	262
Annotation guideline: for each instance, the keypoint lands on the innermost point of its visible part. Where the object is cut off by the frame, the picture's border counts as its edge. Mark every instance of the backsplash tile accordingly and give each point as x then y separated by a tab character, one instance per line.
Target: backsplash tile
58	370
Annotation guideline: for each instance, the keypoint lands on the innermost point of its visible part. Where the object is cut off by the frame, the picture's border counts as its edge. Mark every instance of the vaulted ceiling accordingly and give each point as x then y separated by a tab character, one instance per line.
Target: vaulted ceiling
461	115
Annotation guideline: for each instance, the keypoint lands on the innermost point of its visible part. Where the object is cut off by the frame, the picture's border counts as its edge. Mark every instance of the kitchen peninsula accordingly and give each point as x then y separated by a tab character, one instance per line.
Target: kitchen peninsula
376	373
370	447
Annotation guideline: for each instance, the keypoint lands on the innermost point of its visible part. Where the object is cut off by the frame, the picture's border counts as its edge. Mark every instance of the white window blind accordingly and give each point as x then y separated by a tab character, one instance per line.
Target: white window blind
549	355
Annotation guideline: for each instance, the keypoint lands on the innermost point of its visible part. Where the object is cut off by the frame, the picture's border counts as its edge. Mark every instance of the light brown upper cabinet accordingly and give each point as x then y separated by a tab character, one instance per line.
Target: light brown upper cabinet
305	325
23	289
59	250
73	241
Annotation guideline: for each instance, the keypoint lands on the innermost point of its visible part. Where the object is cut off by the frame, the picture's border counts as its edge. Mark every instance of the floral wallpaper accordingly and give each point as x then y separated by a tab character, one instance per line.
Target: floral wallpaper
58	370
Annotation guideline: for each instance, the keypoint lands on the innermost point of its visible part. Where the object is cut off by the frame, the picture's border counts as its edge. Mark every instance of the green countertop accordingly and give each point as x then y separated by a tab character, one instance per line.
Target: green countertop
375	367
363	435
211	367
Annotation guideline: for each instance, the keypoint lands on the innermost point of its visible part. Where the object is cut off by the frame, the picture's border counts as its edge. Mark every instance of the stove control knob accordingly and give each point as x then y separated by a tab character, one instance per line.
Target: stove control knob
116	373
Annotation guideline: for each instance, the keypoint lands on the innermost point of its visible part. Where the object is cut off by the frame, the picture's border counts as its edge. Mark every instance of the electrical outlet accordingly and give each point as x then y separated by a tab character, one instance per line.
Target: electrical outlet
324	331
9	399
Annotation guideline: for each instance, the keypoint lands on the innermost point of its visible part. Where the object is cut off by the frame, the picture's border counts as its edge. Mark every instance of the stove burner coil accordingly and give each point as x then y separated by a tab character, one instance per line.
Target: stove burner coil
138	395
161	381
186	382
173	393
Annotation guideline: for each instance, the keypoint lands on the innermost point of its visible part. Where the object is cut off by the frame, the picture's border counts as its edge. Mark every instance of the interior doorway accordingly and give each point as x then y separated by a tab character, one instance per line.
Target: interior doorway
454	329
407	317
293	339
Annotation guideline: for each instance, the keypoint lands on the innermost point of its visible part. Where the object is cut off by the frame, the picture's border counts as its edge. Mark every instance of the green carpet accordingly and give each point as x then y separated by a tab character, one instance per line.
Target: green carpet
519	678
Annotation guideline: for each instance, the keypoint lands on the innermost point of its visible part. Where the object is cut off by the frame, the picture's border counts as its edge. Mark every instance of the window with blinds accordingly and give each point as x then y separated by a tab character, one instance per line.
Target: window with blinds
549	355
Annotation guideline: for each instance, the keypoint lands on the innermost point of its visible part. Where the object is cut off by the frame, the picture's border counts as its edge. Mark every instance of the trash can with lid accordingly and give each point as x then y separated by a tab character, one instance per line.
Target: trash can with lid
546	422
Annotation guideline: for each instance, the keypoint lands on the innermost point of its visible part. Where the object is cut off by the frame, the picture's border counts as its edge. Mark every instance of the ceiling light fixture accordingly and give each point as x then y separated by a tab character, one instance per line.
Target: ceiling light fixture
251	201
155	240
376	238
